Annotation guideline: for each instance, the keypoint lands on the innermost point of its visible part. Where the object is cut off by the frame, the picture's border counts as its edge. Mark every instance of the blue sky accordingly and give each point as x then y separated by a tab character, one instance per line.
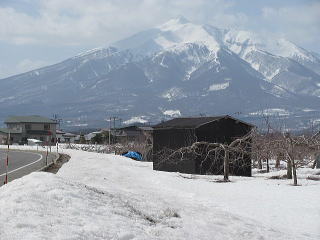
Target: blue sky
36	33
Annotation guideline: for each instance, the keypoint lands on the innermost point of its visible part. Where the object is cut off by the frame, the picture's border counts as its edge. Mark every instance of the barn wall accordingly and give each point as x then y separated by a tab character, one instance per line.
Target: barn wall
224	131
172	139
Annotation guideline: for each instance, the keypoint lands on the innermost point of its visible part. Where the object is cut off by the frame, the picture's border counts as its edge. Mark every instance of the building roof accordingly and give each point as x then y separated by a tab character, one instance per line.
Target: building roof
60	132
12	131
192	122
29	119
34	140
136	128
69	135
91	135
146	128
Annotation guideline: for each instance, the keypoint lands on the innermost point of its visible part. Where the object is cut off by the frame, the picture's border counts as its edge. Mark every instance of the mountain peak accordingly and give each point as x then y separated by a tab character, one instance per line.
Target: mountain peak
179	66
180	20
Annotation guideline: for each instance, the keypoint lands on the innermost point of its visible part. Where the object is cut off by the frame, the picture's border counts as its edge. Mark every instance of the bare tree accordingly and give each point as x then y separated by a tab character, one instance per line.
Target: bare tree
295	150
211	153
299	150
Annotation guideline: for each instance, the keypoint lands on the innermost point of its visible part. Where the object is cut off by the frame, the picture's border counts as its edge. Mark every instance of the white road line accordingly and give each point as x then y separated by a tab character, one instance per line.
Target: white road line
17	169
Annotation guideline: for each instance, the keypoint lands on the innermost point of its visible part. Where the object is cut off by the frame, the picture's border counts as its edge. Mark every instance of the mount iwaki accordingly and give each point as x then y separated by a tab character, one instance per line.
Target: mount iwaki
176	69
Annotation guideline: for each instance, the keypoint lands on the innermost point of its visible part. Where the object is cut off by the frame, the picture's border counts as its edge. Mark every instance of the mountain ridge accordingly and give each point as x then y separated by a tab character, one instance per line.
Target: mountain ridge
175	67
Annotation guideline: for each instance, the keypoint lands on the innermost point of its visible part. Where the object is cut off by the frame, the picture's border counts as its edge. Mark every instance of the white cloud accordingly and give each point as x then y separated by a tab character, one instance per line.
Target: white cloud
100	22
133	120
24	65
74	22
299	23
2	71
83	24
172	113
28	65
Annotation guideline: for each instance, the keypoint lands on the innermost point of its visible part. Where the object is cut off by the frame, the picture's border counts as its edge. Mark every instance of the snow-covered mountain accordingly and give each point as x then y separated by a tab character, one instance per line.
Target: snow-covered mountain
177	68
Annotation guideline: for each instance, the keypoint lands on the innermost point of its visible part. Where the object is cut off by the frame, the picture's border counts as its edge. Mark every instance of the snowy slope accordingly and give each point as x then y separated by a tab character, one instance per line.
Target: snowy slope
99	196
175	32
177	65
279	61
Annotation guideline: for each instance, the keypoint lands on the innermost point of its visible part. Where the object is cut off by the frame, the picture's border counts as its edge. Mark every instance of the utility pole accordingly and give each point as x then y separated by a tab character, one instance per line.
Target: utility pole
58	120
112	122
120	122
110	131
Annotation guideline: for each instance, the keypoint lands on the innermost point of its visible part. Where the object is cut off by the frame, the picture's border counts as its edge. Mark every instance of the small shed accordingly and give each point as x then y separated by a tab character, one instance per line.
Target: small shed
182	132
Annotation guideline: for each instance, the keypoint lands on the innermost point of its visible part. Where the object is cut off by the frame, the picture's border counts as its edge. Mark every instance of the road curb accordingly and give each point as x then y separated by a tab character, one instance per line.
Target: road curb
49	165
15	173
35	151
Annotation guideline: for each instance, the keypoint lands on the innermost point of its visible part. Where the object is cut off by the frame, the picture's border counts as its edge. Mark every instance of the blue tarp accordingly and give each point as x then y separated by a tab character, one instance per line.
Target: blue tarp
133	155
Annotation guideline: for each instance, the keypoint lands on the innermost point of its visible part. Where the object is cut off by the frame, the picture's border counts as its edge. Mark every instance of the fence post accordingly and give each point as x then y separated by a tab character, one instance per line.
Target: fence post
7	162
47	157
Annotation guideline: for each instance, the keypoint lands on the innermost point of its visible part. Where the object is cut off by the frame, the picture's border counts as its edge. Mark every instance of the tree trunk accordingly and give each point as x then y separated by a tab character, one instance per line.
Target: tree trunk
268	168
314	164
289	169
259	163
295	180
226	165
277	162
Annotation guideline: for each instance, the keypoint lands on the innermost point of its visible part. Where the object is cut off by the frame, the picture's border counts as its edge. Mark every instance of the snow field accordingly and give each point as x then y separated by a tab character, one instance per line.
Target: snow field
101	196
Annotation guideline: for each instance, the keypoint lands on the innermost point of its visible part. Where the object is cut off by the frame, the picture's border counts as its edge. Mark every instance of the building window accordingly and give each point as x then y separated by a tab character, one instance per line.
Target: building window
28	126
47	127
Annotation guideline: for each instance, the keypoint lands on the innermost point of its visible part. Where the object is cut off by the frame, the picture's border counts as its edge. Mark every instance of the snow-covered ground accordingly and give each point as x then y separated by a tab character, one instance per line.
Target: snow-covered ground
101	196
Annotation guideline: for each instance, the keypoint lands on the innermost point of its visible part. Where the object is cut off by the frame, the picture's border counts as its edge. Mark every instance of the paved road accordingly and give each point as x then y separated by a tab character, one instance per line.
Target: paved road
22	163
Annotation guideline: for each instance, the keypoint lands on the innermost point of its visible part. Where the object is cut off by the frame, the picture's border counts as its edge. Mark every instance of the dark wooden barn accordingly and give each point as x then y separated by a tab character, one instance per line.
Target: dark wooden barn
182	132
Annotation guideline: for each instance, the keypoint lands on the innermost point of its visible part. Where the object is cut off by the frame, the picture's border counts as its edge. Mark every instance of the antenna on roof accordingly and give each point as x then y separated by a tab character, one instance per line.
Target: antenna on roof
58	120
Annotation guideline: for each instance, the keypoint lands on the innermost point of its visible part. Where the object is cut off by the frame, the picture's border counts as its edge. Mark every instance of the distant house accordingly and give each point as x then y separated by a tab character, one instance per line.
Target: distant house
59	136
22	128
140	134
84	138
69	137
90	136
15	136
182	132
65	137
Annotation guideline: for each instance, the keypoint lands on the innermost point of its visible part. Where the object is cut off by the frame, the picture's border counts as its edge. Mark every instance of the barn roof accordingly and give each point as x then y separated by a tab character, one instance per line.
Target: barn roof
136	128
192	122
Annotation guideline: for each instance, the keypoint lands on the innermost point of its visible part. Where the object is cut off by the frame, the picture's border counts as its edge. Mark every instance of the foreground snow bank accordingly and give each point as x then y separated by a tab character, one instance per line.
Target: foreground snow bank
99	196
46	206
